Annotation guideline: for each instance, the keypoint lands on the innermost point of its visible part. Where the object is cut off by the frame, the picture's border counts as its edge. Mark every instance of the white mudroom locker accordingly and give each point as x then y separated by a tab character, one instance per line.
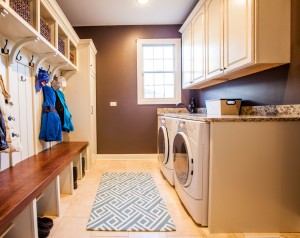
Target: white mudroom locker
21	90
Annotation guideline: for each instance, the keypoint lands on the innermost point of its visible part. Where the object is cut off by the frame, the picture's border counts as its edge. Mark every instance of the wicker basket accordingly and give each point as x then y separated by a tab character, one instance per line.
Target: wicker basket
61	46
45	30
22	7
72	57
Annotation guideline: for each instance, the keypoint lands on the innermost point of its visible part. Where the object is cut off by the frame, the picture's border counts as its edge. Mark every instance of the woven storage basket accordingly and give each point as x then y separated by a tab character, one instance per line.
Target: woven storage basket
72	57
22	7
45	30
61	46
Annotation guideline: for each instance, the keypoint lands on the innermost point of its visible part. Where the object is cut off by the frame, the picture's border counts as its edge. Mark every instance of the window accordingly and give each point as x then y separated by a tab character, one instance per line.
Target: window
158	71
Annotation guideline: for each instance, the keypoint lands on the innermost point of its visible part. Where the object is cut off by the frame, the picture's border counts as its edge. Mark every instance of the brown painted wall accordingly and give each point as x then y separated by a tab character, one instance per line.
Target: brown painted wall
128	128
131	129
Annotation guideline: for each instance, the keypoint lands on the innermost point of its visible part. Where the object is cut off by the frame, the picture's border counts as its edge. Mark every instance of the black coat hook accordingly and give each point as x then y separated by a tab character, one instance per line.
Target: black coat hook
31	64
48	71
18	57
4	50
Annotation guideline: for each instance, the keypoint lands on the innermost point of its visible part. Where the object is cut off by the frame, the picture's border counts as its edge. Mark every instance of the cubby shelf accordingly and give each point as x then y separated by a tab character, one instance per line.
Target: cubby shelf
18	30
47	25
73	53
62	42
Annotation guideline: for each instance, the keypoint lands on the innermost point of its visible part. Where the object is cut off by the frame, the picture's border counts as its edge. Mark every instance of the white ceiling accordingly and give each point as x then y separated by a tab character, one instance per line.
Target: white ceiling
126	12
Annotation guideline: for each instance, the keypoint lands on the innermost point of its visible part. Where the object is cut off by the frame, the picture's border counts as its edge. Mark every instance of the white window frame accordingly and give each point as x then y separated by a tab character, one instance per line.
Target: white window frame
140	78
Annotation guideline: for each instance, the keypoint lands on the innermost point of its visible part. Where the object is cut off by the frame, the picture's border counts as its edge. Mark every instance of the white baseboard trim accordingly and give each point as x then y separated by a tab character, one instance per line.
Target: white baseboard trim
125	156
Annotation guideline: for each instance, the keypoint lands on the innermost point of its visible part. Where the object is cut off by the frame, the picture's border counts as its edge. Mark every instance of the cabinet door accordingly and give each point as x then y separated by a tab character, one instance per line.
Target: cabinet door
187	57
198	36
92	63
14	79
21	92
93	115
4	157
29	91
237	33
214	38
26	113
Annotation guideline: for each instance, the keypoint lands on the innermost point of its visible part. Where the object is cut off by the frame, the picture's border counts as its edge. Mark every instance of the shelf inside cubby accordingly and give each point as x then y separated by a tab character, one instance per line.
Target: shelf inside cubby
62	42
26	9
73	53
47	25
48	201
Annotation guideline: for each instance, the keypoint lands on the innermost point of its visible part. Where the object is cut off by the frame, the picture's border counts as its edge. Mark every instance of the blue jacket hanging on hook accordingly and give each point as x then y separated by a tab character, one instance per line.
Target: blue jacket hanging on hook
50	125
41	79
61	105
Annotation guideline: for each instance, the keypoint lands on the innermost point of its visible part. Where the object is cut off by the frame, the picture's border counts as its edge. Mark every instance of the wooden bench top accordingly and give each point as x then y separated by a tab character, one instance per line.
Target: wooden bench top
21	184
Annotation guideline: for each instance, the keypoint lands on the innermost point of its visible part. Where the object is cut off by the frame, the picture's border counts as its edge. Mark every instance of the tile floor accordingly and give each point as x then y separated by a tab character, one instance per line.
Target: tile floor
76	208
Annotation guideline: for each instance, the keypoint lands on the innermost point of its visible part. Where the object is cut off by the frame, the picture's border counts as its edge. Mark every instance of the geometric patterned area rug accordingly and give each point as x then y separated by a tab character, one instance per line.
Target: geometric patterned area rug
129	201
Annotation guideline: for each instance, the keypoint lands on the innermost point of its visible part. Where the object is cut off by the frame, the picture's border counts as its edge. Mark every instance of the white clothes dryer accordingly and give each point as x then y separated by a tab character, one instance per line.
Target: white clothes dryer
191	167
166	133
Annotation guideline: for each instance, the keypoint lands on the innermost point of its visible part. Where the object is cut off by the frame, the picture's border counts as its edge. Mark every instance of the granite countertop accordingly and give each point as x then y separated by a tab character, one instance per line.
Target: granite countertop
230	118
248	114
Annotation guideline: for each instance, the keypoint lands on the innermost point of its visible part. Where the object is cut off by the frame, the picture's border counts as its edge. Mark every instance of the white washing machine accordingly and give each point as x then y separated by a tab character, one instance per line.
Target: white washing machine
191	167
166	133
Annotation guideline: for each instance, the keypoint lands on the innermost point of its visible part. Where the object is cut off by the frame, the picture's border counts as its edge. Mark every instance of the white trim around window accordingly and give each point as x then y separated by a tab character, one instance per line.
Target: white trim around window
158	76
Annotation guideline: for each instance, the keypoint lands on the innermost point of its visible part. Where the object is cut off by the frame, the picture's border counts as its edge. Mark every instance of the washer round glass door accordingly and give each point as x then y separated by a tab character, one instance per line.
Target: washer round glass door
183	161
163	144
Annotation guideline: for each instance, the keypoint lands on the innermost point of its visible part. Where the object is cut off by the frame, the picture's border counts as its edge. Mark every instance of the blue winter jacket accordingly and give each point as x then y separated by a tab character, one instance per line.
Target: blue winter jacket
50	124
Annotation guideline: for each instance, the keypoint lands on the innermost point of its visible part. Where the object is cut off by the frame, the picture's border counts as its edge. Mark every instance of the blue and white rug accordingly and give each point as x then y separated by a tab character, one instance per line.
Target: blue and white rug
129	202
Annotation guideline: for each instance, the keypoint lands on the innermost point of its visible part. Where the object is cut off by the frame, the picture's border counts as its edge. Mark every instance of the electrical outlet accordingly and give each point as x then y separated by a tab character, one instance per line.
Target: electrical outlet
113	104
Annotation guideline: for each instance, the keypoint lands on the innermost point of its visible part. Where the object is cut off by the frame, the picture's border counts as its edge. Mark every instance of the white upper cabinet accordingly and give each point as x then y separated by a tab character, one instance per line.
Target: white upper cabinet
198	39
187	57
214	38
241	37
238	34
193	50
229	36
